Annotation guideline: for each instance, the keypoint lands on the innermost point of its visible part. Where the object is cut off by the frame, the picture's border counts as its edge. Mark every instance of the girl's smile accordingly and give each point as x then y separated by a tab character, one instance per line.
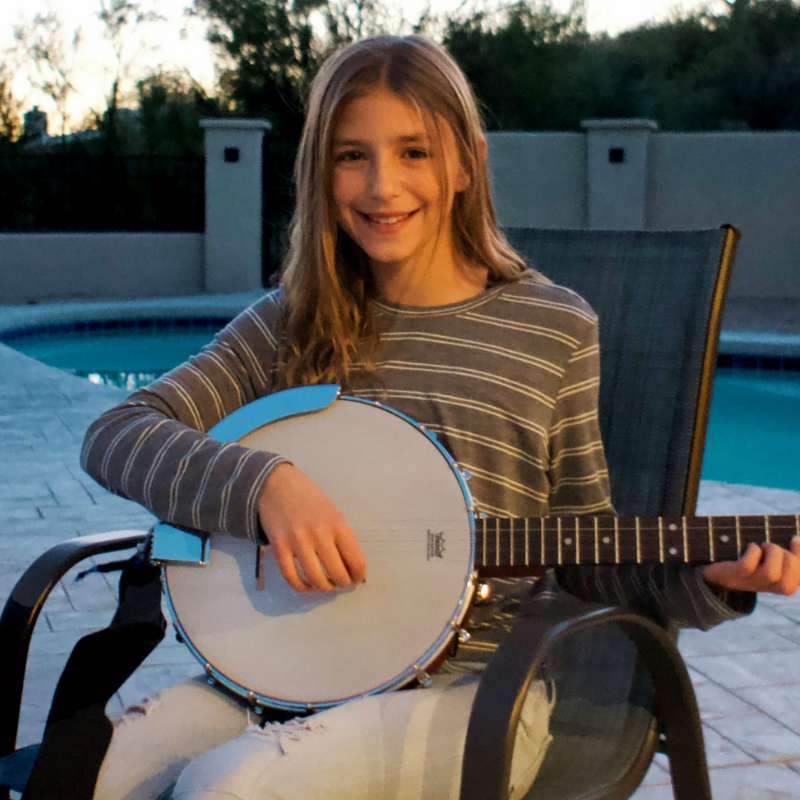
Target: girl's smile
388	223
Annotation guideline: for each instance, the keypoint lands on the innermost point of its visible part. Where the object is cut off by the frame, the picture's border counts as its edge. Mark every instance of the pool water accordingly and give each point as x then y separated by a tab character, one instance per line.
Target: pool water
753	432
129	359
754	428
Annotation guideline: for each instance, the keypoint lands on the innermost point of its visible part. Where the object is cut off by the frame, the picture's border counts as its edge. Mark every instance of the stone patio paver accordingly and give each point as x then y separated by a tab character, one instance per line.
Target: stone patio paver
746	673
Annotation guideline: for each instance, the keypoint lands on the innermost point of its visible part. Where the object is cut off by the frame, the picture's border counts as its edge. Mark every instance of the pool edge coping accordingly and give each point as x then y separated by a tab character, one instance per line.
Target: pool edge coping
16	317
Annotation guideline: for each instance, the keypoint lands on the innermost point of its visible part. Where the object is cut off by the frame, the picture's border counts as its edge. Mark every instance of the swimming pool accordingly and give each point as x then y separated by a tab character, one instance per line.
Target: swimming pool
125	353
754	424
754	428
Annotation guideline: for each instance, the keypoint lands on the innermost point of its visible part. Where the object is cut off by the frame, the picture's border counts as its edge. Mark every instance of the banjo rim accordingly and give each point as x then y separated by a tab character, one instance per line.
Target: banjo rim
237	428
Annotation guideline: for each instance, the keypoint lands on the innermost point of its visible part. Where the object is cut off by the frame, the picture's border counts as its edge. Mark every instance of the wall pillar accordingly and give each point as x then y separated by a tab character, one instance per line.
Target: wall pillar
233	239
617	169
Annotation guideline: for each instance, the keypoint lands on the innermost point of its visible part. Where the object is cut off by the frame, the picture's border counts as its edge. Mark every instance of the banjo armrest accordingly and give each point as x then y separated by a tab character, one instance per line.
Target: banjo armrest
24	605
528	648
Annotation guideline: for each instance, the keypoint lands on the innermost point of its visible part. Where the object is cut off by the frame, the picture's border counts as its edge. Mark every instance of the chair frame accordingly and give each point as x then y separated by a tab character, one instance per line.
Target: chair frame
498	703
17	624
727	256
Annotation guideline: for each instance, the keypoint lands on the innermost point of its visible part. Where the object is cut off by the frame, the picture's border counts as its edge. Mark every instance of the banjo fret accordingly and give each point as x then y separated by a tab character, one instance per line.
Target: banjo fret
711	556
497	541
541	542
527	544
685	541
558	535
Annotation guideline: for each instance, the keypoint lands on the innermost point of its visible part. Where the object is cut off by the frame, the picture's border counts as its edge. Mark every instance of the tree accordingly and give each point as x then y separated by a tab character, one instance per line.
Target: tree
346	22
9	110
51	49
735	68
755	67
171	106
654	71
120	20
516	58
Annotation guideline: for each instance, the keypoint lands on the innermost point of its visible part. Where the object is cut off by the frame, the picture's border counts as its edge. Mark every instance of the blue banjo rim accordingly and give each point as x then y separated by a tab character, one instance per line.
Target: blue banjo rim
281	405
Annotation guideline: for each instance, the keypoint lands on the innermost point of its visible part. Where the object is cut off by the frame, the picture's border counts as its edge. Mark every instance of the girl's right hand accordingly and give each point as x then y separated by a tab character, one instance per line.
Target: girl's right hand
305	527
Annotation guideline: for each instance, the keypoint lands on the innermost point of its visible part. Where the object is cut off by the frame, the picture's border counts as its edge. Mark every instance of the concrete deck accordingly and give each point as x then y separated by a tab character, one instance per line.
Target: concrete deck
746	673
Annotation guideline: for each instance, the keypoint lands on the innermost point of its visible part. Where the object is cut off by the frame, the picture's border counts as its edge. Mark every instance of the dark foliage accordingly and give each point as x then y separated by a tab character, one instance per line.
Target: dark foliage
79	192
536	70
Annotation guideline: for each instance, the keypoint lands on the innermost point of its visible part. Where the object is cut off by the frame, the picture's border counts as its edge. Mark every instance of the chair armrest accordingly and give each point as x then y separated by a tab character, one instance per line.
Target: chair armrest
498	702
23	607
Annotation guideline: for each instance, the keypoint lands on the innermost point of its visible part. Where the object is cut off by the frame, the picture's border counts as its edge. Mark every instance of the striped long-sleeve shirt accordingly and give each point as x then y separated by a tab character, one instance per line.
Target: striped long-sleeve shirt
508	380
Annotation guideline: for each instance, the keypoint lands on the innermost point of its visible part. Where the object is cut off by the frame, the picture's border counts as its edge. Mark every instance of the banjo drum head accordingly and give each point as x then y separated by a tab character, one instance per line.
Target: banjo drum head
406	506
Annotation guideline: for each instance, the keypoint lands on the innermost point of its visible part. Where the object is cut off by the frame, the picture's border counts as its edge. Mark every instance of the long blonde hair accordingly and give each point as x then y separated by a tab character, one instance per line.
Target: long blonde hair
326	278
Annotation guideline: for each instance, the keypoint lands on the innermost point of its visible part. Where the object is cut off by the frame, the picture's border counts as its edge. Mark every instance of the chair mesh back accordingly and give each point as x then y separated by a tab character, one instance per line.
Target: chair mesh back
652	291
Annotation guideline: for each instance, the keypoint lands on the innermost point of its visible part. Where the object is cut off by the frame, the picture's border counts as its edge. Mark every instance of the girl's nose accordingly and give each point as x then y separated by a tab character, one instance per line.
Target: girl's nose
384	178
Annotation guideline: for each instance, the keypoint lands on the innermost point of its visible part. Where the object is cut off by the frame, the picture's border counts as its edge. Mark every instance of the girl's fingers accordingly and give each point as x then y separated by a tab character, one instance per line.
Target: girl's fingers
749	560
333	564
760	568
288	567
352	556
771	569
791	571
312	569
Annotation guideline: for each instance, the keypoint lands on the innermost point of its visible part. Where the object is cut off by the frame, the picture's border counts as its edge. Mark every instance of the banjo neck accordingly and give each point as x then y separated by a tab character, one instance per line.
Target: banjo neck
509	546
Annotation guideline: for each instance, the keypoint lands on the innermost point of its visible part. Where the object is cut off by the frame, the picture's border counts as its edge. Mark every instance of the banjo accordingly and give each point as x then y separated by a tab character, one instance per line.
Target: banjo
424	542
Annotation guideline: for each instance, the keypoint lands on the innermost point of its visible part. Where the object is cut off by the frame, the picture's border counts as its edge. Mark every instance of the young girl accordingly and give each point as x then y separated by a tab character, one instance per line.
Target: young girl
399	286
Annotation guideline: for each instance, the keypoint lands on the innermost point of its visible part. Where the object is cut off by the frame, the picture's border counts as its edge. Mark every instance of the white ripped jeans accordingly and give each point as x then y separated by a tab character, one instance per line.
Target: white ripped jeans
394	746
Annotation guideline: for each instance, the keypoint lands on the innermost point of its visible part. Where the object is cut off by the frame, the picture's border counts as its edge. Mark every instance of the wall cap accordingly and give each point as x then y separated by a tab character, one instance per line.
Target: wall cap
619	124
229	123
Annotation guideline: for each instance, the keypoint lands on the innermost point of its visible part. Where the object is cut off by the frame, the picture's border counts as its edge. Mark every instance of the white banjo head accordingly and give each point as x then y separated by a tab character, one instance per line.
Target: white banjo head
406	506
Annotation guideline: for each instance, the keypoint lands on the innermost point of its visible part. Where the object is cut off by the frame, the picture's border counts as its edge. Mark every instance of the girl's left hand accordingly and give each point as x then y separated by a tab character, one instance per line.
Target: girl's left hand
764	568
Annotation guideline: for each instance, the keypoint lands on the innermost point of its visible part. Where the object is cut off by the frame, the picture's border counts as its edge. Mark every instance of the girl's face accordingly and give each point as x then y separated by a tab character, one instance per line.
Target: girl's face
387	184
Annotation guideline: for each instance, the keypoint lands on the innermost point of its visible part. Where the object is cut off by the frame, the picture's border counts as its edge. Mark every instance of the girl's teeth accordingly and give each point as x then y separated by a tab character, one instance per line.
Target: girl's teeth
388	220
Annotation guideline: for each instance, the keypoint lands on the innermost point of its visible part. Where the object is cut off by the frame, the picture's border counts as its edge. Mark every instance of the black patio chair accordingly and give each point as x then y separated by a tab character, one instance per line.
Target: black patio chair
623	689
659	296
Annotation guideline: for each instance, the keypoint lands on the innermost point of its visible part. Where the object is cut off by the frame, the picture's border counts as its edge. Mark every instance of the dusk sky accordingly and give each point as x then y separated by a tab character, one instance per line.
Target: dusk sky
179	43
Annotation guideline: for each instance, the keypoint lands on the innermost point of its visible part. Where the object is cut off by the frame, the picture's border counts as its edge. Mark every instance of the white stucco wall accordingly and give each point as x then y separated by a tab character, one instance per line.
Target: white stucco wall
56	266
233	204
555	180
750	180
695	180
616	192
539	179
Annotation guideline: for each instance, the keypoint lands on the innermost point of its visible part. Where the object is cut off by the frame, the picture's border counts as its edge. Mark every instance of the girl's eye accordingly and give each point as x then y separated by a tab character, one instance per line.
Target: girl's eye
348	155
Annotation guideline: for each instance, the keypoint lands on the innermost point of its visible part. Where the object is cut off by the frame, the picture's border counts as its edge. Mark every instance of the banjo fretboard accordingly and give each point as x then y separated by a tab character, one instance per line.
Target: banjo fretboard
509	546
